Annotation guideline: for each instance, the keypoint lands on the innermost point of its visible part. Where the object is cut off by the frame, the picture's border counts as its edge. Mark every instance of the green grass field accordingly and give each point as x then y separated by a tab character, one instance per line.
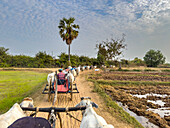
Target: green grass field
15	85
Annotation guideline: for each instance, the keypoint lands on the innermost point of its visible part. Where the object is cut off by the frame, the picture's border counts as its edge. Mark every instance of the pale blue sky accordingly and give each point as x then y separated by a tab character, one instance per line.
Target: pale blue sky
30	26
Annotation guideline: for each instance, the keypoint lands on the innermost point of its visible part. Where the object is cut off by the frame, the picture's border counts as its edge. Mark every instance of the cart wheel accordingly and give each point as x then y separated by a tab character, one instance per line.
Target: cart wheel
71	93
49	91
54	101
55	98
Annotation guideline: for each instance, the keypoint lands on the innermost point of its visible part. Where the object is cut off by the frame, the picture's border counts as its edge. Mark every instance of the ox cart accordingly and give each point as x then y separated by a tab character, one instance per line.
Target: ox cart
36	122
55	88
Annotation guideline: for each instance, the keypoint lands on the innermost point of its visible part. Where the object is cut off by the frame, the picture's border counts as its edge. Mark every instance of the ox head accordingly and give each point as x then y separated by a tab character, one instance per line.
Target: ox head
86	101
27	102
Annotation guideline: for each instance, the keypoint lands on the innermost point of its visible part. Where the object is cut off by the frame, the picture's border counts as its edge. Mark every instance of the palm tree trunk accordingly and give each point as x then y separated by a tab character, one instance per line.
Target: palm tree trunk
69	55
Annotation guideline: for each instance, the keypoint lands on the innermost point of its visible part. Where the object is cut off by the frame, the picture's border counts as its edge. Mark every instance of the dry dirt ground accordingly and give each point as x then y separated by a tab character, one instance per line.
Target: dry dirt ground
85	88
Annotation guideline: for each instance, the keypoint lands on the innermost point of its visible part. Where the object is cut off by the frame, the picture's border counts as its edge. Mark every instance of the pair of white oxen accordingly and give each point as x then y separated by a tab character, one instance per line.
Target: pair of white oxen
70	75
90	118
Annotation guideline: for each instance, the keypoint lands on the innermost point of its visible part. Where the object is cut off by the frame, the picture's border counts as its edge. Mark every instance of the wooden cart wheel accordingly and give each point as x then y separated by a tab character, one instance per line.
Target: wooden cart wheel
71	93
55	96
49	91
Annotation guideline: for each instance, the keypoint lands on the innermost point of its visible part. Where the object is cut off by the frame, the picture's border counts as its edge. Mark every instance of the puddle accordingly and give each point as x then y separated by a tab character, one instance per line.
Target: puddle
161	111
150	94
144	121
159	102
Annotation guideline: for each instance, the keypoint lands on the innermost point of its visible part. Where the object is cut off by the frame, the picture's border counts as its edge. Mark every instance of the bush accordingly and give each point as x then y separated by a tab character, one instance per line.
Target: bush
166	70
148	70
124	70
137	70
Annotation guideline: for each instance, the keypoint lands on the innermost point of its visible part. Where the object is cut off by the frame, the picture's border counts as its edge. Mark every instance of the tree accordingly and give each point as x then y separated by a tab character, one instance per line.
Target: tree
137	62
124	62
44	60
4	57
153	58
68	31
111	49
101	59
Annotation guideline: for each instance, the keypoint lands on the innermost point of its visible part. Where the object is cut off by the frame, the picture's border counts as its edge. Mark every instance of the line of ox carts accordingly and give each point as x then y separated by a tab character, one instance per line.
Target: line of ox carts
19	115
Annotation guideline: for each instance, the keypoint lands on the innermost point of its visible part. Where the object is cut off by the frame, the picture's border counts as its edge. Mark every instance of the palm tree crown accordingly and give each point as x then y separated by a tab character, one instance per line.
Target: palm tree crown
68	31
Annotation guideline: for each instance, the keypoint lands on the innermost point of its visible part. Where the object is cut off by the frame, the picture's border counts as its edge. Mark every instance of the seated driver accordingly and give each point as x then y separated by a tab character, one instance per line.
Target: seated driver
61	77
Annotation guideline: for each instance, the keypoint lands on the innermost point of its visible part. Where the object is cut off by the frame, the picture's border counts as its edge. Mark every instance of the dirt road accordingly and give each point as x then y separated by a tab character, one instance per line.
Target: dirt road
85	88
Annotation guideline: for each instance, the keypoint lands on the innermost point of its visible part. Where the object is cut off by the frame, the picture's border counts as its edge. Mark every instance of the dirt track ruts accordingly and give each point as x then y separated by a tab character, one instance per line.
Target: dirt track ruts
63	100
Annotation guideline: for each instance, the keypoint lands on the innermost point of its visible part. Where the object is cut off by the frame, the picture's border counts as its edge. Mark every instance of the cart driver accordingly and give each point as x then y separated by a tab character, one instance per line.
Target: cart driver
61	77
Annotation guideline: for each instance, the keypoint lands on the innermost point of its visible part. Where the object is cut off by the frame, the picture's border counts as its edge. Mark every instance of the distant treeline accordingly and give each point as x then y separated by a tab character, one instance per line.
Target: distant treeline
44	60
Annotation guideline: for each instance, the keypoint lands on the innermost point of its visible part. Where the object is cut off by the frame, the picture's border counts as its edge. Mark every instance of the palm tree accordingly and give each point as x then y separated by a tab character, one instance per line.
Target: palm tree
68	32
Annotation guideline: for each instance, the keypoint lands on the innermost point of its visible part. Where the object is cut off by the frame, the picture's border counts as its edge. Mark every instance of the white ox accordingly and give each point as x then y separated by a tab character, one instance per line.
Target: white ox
82	68
78	70
90	117
50	77
74	72
70	77
15	113
87	67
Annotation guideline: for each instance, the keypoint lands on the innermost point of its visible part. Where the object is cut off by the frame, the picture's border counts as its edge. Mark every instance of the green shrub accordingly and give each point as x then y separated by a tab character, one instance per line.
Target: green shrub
149	70
137	70
124	70
166	70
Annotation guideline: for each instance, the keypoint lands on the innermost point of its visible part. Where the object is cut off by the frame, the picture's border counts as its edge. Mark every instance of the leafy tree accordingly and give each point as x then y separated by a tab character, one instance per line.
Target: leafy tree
153	58
4	57
102	51
101	59
84	60
74	60
111	49
44	60
138	62
68	31
124	62
3	51
63	58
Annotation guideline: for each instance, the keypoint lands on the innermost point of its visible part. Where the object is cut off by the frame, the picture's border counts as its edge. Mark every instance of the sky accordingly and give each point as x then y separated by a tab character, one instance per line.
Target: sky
30	26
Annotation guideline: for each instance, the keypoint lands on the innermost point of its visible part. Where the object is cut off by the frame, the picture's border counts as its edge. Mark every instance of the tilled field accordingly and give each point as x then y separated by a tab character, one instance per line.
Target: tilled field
126	94
134	76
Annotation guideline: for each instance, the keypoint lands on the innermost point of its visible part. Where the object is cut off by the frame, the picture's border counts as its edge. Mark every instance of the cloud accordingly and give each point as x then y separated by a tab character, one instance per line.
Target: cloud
36	21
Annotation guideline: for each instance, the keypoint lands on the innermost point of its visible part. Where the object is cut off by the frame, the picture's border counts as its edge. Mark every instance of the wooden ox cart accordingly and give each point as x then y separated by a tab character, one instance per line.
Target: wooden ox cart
54	88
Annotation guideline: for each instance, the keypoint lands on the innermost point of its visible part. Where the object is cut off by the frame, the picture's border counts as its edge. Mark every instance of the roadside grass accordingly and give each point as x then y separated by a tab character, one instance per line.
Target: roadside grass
114	108
16	85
